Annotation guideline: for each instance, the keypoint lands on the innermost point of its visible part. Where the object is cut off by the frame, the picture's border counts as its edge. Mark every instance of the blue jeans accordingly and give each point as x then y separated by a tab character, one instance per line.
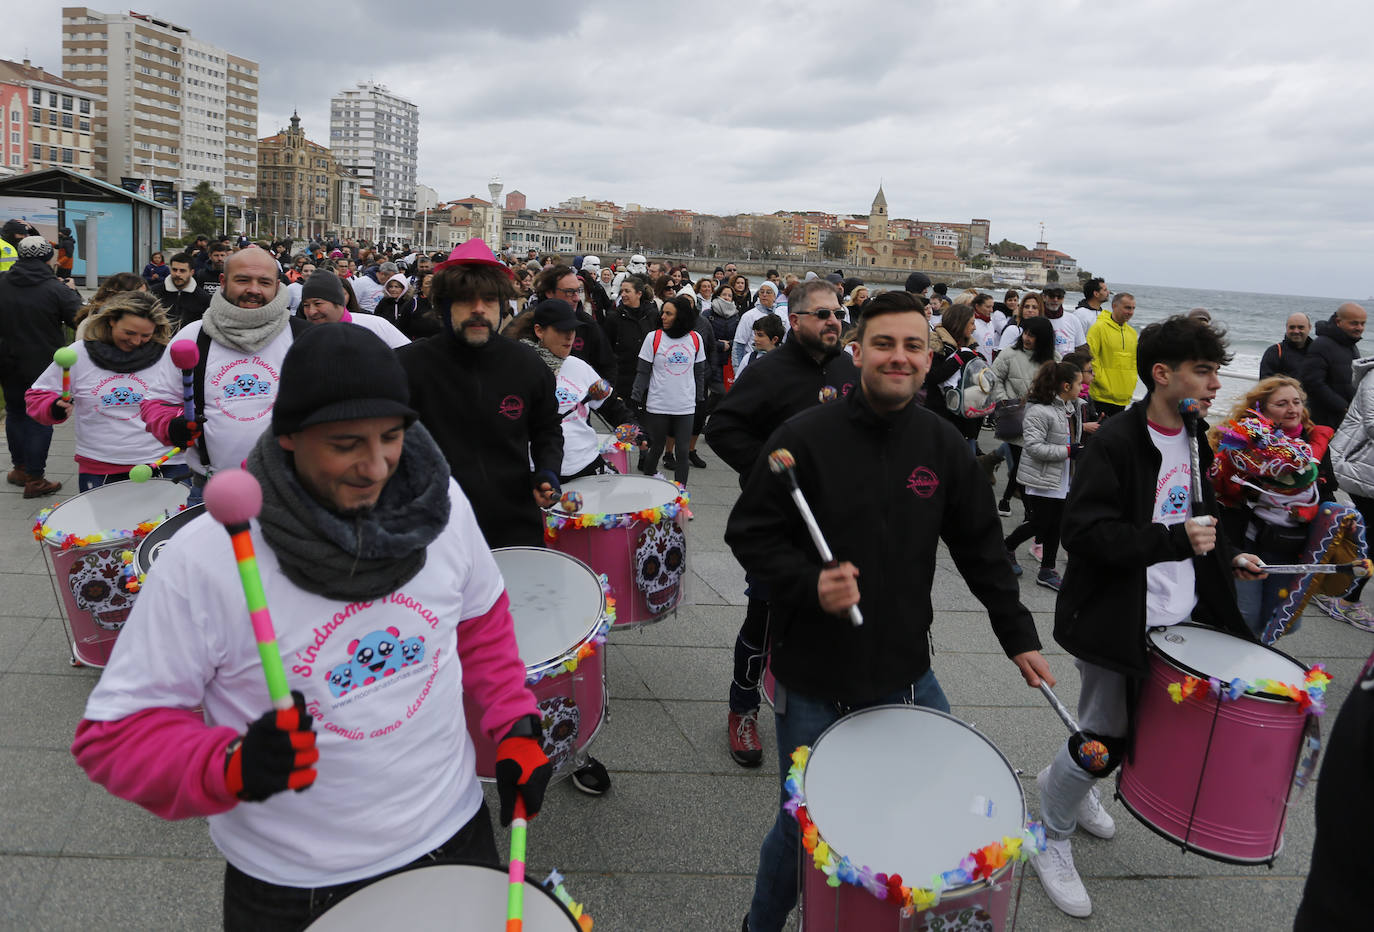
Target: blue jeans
28	440
775	886
94	480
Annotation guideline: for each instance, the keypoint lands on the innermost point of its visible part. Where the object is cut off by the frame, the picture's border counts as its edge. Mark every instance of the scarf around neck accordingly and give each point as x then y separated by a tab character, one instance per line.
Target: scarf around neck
361	556
246	329
110	357
551	360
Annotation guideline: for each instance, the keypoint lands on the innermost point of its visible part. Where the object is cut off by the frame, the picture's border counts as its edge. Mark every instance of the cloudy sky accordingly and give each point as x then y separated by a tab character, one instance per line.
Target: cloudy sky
1216	144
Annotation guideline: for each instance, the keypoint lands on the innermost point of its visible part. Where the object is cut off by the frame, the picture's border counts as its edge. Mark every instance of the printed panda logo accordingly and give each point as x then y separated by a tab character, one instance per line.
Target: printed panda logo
1175	502
121	396
246	385
375	656
677	361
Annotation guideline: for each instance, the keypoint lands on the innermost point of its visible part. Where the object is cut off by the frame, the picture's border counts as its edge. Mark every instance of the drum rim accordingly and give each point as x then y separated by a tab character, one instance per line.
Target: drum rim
1184	668
450	862
544	667
556	509
195	511
952	892
45	515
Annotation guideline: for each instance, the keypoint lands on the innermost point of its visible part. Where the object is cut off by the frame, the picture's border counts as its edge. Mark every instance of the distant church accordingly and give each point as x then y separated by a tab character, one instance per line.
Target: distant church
877	249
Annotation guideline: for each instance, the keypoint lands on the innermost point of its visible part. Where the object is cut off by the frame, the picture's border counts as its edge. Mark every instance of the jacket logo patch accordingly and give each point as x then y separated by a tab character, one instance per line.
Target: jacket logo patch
844	389
511	407
923	482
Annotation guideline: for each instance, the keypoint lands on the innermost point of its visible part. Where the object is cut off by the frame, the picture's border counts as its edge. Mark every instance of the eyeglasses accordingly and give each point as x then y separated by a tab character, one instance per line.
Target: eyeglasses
823	314
570	292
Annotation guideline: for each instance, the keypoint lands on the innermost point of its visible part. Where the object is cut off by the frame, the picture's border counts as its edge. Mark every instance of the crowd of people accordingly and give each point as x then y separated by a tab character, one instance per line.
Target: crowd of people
398	451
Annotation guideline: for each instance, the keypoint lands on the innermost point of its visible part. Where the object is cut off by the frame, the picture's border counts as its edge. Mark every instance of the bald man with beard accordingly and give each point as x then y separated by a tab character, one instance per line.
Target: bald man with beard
1287	356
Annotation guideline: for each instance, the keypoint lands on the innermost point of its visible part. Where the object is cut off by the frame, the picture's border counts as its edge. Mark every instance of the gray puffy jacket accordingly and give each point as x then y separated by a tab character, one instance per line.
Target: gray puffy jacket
1352	449
1046	437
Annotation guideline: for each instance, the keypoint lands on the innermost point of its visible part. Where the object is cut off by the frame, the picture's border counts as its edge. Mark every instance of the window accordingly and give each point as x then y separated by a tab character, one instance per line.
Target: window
85	126
67	121
52	153
35	115
16	116
66	101
52	98
16	160
85	106
37	97
52	117
37	152
67	156
14	138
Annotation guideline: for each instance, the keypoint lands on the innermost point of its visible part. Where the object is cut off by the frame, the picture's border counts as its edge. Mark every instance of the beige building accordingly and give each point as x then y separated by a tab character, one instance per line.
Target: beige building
297	182
47	121
592	233
878	250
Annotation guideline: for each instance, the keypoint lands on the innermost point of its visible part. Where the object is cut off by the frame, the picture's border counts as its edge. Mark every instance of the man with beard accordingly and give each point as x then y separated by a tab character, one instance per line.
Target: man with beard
769	391
589	342
1069	335
212	272
179	295
921	486
488	400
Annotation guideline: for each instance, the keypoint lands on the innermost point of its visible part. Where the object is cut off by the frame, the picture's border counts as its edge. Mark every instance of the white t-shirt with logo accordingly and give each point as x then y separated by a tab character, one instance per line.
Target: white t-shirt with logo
1171	587
106	409
380	326
580	443
673	384
1068	334
240	389
381	679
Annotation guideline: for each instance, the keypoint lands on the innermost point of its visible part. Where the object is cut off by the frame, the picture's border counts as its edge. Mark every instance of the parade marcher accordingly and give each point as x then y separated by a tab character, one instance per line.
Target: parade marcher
633	318
396	294
323	301
766	302
560	282
1112	343
1326	370
1015	369
1069	335
210	273
118	283
921	487
180	295
1352	458
1286	356
34	308
988	324
1141	554
357	506
1089	309
304	270
14	231
768	334
956	332
124	338
670	383
156	271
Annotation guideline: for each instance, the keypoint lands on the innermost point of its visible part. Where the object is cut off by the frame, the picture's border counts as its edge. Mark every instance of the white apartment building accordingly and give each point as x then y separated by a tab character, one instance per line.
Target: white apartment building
376	135
177	108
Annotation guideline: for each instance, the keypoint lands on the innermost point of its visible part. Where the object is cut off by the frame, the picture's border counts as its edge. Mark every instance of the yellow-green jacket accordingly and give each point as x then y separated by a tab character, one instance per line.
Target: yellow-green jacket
1113	349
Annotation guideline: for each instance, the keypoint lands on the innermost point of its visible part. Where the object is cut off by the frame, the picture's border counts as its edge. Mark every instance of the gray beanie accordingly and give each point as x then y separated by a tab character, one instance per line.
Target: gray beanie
324	284
35	247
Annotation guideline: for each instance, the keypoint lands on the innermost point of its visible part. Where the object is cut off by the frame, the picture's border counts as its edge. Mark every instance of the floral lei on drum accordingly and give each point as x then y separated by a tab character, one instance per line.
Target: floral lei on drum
977	865
46	535
556	519
1310	696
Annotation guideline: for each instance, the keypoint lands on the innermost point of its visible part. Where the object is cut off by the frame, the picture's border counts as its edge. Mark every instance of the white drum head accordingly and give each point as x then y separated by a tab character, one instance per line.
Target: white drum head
1209	653
618	495
118	506
910	791
555	600
442	896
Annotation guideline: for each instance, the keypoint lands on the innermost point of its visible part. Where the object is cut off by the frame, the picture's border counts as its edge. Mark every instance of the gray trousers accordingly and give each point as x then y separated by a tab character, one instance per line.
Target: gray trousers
1101	710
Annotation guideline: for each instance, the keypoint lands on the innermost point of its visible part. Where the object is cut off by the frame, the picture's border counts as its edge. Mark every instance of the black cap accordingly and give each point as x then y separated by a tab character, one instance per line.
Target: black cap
15	230
917	282
555	313
339	372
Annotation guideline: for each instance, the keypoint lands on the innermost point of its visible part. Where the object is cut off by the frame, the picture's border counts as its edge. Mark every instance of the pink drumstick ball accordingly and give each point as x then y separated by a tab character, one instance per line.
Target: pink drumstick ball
233	497
185	355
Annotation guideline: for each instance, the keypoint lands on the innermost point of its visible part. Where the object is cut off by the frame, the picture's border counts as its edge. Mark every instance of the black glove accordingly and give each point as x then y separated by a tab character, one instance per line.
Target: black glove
182	431
545	475
56	412
278	753
1074	450
522	768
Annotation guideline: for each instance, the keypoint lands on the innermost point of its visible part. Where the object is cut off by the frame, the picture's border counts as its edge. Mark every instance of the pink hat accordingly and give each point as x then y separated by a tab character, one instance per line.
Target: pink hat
473	252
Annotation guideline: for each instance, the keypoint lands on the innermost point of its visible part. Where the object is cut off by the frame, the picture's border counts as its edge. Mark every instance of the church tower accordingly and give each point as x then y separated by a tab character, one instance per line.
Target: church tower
877	217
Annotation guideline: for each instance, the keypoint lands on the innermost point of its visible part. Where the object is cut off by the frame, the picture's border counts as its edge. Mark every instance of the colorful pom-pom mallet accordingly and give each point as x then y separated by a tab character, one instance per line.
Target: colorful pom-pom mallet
66	358
141	473
571	501
515	891
234	498
185	356
626	433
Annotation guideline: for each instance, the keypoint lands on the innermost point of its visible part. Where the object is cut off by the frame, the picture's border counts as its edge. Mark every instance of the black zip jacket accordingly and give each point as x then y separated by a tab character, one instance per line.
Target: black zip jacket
34	307
1111	540
591	346
182	307
1326	374
625	329
770	390
1283	358
920	486
491	409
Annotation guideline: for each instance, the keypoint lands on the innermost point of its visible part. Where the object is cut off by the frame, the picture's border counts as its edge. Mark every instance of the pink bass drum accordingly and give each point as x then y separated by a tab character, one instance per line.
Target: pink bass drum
1217	774
633	530
560	614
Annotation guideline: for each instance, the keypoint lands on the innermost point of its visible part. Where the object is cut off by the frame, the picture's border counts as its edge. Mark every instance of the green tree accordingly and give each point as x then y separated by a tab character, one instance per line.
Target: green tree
1006	247
832	247
200	216
980	262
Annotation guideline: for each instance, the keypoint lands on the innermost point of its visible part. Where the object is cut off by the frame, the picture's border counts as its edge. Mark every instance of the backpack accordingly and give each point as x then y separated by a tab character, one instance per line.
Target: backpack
696	341
971	394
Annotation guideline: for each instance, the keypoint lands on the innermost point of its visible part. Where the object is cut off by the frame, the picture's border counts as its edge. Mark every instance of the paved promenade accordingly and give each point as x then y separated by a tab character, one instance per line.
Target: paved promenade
672	847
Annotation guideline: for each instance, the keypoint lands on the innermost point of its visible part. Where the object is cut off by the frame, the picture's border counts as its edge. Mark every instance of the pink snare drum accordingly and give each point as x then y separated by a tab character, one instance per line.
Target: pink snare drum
1216	776
909	791
561	616
632	529
85	540
443	896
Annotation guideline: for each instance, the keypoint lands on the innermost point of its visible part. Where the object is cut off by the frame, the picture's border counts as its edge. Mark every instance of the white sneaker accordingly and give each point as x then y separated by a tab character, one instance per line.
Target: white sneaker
1091	817
1060	878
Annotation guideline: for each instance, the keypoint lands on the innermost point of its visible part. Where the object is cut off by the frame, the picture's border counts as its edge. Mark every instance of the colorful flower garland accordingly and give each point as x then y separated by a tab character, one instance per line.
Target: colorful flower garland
584	650
977	865
1310	697
613	445
556	519
46	535
554	884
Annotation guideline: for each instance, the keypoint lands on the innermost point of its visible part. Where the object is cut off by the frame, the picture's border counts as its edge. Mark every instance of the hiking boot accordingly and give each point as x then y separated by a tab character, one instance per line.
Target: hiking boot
695	459
592	778
1049	579
1091	817
1004	508
37	488
745	747
18	477
1015	567
1060	878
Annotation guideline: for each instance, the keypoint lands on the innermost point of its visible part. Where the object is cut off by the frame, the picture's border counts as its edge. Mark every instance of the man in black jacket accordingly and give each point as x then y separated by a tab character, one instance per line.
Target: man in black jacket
488	401
34	308
180	295
788	380
920	486
1142	553
1326	370
1286	356
589	342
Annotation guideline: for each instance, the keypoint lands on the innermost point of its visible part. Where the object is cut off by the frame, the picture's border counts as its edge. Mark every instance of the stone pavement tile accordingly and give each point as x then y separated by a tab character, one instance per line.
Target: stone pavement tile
41	711
986	679
17	551
1264	903
698	591
722	572
664	902
622	679
1321	636
41	791
109	826
683	672
23	883
969	630
693	626
705	725
28	594
15	632
641	737
134	894
49	651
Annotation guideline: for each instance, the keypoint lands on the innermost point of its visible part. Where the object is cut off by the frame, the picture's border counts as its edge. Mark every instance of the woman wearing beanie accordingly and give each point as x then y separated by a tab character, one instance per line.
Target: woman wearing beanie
126	336
670	381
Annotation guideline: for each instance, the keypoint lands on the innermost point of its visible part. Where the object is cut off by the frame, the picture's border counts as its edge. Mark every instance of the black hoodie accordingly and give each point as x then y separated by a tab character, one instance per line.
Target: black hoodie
491	409
1326	373
625	328
34	307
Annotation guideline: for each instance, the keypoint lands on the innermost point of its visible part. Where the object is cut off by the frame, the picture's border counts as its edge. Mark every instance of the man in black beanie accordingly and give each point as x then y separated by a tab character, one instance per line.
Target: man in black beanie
323	301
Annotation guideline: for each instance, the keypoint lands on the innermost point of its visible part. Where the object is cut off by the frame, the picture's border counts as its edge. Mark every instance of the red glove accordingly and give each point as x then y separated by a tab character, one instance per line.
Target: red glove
522	768
278	753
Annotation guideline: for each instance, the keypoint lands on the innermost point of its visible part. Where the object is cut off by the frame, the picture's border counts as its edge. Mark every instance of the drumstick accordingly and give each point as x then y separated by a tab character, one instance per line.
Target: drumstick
1358	568
233	497
1191	410
599	389
185	356
144	471
1092	754
66	358
515	893
782	464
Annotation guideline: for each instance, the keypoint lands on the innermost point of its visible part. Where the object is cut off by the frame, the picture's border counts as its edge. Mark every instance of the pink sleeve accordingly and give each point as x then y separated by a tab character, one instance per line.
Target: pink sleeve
493	673
38	405
166	760
157	415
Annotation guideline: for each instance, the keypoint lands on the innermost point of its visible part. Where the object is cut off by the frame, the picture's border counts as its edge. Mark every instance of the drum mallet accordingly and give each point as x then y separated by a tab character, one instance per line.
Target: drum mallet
1092	754
515	892
185	356
144	471
234	498
782	463
66	358
1191	411
1358	568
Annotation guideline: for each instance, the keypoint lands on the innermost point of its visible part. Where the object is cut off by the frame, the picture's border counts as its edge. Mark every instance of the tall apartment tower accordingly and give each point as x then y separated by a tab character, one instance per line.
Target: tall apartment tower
496	226
376	135
176	108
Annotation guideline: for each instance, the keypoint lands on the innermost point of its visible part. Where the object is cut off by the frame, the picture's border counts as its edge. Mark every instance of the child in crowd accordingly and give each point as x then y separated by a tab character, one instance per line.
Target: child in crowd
767	333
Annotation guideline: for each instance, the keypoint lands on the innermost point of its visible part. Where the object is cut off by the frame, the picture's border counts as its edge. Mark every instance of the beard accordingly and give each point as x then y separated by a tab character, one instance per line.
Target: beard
475	332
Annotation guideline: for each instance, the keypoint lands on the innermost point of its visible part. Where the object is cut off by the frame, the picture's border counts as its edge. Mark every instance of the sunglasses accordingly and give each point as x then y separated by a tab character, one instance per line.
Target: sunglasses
823	314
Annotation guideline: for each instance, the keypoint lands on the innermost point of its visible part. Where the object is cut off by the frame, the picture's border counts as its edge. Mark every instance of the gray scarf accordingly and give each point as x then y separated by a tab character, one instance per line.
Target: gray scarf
246	329
362	556
554	362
